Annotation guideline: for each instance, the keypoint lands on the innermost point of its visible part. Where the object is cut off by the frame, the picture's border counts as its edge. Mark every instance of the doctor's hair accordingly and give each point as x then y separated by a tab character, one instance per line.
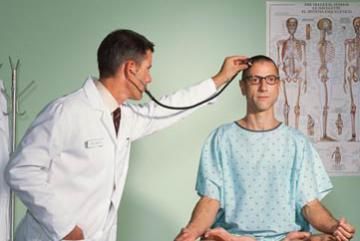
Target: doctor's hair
257	59
118	47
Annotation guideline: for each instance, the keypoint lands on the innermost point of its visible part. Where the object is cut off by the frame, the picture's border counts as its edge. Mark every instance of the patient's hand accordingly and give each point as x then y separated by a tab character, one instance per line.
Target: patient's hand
344	231
297	236
220	234
186	234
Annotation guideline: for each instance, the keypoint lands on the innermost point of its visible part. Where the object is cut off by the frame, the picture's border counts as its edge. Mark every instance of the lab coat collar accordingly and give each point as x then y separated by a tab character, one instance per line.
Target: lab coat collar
93	94
96	101
106	96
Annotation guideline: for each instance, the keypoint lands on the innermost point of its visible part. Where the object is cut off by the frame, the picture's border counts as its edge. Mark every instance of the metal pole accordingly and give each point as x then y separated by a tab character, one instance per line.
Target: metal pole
13	138
15	111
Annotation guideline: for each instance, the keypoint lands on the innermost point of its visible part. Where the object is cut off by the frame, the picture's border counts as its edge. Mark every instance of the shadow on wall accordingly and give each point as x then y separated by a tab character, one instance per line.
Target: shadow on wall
140	219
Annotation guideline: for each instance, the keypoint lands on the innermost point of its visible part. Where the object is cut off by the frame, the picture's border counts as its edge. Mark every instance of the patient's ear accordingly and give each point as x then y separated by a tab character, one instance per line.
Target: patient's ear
242	87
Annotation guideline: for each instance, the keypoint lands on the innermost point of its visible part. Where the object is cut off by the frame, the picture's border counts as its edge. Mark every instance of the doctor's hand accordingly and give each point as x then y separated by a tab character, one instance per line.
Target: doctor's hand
231	67
75	234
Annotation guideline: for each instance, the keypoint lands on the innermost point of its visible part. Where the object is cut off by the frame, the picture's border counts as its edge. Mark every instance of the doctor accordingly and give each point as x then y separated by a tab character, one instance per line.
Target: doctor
70	167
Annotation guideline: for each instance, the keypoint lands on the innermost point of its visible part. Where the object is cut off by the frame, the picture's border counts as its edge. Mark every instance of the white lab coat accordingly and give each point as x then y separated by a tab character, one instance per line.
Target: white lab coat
70	168
4	158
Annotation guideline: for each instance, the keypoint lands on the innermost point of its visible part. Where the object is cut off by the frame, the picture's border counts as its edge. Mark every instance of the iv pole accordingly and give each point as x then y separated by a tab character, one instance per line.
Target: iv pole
14	112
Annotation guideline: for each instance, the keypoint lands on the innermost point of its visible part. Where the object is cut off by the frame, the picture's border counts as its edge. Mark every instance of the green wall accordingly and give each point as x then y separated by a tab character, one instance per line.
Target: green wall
57	42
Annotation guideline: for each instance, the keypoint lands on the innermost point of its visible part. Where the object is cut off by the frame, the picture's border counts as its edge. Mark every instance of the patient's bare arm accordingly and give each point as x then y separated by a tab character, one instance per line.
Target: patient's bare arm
201	220
321	219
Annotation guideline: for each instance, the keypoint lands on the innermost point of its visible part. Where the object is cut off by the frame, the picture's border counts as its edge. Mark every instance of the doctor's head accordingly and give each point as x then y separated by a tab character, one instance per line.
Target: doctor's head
124	62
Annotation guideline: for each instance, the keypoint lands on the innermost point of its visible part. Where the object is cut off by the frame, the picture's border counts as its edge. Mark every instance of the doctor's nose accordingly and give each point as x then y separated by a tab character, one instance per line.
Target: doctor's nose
148	80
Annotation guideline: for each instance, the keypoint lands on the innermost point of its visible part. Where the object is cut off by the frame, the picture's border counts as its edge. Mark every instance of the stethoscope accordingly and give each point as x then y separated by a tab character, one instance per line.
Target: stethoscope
189	106
248	62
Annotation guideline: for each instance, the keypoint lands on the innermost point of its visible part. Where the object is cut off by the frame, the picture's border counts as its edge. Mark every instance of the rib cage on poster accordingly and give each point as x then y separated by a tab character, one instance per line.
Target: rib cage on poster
316	46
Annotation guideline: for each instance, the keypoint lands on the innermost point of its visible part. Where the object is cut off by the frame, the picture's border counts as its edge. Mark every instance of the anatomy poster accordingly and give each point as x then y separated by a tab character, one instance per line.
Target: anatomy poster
316	46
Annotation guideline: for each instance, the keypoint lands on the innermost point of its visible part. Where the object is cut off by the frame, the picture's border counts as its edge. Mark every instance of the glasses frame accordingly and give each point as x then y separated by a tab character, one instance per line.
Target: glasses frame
250	79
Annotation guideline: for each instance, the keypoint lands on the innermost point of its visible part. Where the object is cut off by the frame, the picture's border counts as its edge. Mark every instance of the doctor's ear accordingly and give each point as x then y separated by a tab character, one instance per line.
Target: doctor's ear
130	67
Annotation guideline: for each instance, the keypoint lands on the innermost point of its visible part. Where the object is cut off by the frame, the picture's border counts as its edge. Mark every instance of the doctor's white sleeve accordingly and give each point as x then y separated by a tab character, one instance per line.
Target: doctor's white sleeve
28	172
151	117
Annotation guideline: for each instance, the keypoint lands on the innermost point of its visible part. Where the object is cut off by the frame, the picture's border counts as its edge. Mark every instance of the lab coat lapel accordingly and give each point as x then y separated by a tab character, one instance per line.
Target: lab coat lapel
97	103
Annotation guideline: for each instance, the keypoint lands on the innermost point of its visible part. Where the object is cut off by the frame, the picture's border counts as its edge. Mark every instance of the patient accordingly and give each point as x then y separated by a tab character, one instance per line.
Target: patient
259	179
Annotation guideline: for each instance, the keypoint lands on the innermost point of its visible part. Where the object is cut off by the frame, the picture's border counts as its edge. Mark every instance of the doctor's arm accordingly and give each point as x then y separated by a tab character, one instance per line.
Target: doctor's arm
151	117
201	220
321	219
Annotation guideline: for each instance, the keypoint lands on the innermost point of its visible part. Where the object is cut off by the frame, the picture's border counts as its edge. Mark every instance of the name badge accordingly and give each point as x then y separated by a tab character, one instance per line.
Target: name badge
94	143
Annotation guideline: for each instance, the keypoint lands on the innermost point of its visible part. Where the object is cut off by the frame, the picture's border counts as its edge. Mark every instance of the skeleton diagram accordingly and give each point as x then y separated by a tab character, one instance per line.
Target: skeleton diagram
326	54
339	124
291	60
352	70
310	125
336	156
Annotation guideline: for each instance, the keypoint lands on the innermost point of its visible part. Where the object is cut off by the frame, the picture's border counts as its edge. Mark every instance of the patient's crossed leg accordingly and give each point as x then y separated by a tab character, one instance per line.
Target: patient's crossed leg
220	234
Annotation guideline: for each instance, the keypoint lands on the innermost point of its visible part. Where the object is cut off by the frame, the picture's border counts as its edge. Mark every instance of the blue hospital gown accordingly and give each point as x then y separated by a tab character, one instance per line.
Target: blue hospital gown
262	179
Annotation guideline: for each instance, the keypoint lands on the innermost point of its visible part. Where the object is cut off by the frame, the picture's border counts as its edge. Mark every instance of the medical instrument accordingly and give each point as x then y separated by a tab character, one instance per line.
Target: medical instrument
190	106
247	61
